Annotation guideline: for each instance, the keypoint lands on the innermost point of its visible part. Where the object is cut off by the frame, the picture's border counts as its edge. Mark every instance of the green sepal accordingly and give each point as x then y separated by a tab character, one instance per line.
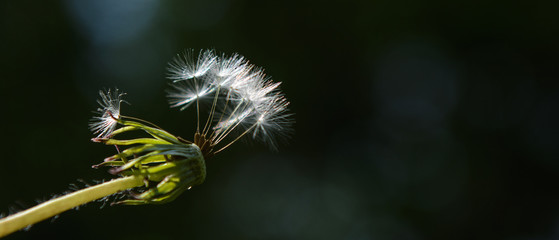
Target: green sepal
155	132
109	164
160	200
134	151
159	172
123	129
137	160
165	186
134	141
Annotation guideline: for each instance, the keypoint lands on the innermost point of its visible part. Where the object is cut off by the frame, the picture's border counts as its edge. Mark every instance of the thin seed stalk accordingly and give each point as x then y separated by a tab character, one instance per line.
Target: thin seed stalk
61	204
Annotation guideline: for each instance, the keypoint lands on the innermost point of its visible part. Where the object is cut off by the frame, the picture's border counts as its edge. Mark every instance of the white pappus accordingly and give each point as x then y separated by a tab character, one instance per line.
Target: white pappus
243	99
109	112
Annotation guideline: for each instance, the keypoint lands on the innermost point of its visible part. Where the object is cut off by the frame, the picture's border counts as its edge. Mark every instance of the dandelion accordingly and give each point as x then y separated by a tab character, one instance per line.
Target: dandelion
159	166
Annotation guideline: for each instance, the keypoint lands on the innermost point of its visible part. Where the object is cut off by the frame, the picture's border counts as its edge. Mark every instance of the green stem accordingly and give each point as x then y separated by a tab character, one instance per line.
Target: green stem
58	205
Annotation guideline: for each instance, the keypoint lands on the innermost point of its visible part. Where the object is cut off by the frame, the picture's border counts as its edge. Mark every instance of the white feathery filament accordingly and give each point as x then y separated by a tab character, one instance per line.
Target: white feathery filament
243	97
109	112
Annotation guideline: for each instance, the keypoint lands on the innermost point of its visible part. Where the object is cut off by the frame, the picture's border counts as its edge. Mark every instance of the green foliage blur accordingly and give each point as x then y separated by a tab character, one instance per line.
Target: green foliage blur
414	119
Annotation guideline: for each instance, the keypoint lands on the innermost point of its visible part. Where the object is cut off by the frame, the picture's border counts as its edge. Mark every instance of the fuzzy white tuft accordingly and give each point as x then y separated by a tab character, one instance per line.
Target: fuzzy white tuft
244	98
185	66
109	112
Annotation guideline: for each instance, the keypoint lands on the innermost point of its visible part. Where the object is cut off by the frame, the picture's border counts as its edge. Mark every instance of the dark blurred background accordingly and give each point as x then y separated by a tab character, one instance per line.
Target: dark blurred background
414	119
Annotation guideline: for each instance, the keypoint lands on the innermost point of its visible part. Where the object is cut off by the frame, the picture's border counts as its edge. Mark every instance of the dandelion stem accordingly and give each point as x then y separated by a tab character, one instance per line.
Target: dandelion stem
58	205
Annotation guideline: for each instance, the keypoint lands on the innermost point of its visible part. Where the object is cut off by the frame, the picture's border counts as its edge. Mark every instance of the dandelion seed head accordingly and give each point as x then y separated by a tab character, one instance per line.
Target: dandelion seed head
245	100
109	111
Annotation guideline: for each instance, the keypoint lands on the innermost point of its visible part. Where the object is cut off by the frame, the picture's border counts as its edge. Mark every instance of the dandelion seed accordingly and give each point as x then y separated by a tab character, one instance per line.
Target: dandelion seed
227	70
109	112
183	94
185	67
273	120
